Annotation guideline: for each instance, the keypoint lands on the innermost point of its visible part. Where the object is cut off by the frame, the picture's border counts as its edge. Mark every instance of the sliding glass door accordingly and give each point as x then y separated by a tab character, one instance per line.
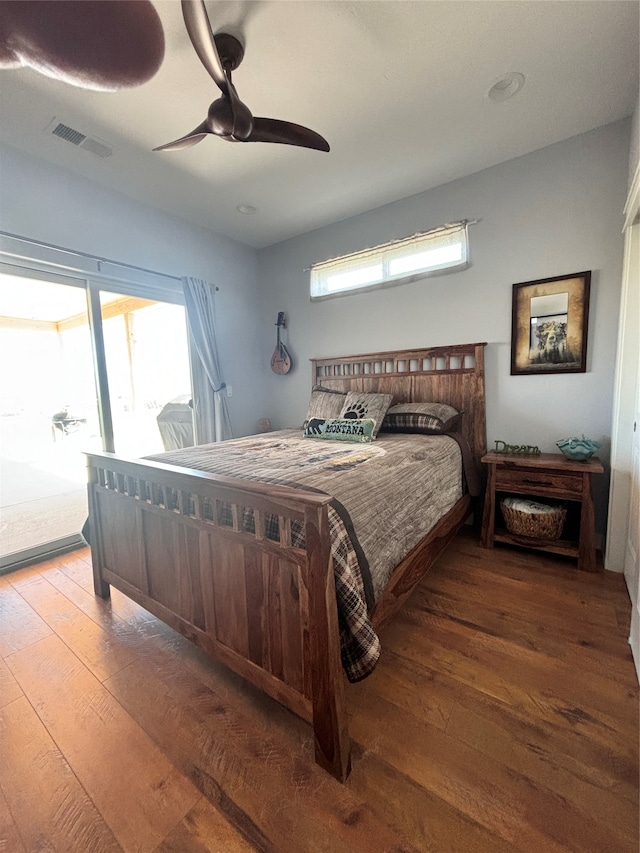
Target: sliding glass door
48	412
83	369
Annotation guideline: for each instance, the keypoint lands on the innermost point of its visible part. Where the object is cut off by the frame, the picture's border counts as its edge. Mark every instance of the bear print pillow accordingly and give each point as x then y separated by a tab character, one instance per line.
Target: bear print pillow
361	405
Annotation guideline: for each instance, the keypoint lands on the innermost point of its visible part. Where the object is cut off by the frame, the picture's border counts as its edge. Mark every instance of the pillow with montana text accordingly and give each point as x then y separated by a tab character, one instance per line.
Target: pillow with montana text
426	418
339	429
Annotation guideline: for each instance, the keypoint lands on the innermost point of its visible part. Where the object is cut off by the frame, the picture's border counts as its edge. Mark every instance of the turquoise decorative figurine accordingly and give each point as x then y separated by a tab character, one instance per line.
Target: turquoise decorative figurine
578	449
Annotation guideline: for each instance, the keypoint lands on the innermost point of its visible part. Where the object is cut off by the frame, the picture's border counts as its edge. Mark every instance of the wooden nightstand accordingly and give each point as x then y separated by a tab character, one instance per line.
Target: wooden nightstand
549	475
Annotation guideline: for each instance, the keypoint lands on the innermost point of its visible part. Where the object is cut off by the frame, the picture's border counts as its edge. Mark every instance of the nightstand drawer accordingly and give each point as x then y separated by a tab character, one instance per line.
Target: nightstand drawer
545	483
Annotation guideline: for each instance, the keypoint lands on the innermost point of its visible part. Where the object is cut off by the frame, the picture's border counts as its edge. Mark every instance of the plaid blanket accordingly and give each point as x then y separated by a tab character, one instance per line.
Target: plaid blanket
359	643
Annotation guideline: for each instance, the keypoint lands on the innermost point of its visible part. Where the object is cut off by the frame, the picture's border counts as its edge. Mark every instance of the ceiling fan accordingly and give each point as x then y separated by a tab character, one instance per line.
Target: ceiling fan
228	117
99	46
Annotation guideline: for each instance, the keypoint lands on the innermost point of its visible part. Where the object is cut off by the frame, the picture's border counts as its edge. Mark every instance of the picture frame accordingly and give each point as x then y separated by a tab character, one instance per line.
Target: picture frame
549	325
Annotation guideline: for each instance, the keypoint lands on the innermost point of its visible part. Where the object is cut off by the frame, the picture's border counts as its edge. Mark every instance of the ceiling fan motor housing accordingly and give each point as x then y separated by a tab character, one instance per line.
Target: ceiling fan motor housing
228	122
220	117
230	51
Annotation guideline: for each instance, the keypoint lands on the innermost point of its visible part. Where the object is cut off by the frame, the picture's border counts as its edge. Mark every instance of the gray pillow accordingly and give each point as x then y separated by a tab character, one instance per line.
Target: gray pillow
359	404
324	403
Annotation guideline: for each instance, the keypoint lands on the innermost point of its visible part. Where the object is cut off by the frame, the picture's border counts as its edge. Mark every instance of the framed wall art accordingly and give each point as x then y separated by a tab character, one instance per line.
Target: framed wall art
549	325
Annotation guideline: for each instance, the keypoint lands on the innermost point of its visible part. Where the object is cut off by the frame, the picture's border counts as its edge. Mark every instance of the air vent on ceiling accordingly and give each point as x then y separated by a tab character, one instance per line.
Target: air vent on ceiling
97	148
68	133
79	139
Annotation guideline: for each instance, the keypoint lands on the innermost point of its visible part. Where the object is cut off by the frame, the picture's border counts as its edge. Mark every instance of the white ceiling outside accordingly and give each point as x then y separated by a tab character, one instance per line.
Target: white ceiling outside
398	88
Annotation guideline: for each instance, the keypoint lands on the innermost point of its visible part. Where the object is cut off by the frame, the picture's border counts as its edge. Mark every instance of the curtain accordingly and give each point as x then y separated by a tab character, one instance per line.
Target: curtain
211	421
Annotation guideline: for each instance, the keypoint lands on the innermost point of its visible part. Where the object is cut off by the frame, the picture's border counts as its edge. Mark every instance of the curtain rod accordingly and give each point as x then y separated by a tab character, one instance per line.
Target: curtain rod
448	226
94	258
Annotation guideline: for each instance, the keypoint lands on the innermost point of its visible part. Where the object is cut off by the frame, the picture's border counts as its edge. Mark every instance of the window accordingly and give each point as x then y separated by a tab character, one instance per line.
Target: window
444	248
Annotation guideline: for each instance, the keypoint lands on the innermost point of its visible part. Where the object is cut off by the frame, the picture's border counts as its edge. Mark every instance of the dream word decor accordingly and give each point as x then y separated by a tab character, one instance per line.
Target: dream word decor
524	449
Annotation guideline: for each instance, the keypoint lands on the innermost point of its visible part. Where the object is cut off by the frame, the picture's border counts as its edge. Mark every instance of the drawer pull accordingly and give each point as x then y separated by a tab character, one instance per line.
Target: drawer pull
537	482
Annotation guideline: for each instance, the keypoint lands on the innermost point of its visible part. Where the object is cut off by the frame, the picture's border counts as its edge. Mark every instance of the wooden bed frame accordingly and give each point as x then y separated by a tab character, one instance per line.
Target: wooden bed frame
268	609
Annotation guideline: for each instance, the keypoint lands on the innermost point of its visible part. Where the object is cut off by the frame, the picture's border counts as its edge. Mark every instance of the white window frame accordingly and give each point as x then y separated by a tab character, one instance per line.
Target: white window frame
383	265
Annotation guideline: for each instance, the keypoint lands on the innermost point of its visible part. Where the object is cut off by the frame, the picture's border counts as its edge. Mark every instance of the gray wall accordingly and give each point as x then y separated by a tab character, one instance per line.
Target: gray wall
634	145
553	212
43	202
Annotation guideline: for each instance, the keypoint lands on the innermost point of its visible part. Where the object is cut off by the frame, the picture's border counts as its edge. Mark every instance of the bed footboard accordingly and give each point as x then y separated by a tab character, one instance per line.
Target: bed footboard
177	542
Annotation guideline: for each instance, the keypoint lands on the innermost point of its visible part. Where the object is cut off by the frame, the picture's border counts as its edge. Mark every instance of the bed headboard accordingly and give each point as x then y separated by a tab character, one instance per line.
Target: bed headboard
448	374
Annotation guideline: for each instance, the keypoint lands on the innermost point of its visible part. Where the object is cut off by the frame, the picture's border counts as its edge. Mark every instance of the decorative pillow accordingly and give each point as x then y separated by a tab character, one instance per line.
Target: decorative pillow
362	405
324	403
338	429
426	418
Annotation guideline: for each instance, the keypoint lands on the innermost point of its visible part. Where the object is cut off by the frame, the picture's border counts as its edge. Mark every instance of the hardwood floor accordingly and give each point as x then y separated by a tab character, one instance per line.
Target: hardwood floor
503	717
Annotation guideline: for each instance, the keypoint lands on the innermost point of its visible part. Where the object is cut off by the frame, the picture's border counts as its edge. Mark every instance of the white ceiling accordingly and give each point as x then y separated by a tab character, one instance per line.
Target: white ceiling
397	87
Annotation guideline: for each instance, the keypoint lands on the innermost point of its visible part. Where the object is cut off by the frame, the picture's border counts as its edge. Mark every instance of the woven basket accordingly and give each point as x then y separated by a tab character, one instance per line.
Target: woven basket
547	525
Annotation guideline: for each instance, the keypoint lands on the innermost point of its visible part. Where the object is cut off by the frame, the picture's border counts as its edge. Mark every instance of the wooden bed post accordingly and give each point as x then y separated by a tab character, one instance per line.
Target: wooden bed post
331	735
100	586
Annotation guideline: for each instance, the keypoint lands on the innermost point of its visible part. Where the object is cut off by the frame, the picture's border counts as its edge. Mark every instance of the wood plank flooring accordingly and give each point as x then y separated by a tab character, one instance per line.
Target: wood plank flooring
503	716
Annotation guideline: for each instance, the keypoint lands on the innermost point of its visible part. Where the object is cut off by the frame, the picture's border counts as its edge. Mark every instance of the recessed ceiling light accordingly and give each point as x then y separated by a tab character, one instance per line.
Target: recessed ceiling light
506	87
248	209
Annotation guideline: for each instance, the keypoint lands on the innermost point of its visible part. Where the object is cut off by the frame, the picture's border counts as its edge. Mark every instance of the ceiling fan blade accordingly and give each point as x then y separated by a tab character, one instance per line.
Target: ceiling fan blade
197	23
100	46
187	141
286	133
199	29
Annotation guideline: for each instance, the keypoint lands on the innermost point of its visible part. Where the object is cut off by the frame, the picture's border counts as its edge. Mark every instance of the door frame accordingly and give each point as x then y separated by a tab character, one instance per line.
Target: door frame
624	435
626	384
